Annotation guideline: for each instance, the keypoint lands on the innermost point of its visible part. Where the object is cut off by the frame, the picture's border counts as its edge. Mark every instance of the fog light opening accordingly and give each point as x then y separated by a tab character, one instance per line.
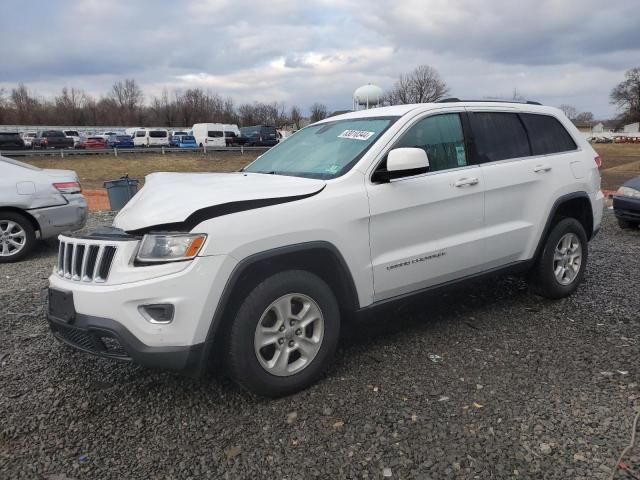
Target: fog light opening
158	313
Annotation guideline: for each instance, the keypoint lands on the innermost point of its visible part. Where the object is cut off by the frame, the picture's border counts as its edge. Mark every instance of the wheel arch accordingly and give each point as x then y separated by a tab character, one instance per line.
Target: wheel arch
319	257
25	214
573	205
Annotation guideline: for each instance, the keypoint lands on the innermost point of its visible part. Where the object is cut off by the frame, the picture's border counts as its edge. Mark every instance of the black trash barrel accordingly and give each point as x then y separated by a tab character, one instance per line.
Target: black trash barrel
121	191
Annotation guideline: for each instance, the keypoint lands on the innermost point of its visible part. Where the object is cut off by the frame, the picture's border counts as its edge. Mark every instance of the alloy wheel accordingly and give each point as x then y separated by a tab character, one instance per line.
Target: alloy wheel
289	334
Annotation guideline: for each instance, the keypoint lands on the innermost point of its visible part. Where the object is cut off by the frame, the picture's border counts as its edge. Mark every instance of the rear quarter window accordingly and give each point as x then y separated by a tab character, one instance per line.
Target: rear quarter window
547	134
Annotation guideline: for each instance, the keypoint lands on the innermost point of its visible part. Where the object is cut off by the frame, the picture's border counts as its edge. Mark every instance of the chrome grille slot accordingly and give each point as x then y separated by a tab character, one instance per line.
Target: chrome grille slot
85	260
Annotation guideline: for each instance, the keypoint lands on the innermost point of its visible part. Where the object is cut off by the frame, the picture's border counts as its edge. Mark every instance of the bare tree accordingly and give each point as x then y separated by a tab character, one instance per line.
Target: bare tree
128	97
296	117
318	111
165	111
69	106
626	95
584	118
570	111
422	85
25	104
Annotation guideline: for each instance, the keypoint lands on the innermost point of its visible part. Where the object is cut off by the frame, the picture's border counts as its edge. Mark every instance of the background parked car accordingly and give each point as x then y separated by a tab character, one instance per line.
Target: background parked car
28	137
11	141
120	141
626	204
209	134
93	143
147	137
260	135
183	141
178	133
35	201
51	139
74	135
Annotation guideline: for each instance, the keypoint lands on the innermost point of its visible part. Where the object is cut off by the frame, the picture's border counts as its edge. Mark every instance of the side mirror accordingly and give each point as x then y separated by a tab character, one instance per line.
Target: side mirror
403	162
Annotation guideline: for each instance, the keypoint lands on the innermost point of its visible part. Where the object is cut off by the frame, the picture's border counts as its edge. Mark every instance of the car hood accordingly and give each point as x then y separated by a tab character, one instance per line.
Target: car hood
180	201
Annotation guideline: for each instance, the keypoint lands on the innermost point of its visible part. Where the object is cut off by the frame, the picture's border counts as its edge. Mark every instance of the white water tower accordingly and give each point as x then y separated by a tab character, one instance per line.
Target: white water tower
367	96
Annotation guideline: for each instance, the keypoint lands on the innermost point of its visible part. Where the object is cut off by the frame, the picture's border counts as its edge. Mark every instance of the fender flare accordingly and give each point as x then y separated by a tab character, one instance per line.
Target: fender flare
552	213
250	261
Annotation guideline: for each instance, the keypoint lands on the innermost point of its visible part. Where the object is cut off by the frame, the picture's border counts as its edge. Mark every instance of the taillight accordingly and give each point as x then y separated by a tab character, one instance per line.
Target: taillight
68	187
45	141
598	160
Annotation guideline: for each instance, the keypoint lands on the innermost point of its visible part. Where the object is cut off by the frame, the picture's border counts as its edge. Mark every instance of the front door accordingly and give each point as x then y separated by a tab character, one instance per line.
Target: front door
428	229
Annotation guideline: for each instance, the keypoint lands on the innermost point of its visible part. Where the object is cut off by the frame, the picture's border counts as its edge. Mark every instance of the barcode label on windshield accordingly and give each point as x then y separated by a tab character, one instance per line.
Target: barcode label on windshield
356	134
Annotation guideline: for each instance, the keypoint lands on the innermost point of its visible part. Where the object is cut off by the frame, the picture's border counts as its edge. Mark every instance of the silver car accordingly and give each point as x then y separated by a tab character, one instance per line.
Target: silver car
36	204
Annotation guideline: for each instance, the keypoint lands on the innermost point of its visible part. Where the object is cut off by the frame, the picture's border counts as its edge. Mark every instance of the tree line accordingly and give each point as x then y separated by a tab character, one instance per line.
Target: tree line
126	104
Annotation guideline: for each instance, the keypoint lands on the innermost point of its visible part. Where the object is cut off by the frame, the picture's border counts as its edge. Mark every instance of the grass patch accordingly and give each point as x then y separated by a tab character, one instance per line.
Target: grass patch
93	170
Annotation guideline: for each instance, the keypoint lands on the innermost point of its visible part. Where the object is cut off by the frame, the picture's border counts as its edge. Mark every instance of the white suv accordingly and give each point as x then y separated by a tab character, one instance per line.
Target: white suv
262	266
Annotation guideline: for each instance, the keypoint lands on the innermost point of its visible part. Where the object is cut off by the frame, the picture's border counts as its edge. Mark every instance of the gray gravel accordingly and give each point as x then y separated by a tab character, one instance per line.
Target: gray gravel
524	388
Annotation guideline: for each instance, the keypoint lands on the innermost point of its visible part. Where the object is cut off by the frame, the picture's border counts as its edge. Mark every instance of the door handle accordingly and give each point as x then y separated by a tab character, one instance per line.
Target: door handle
541	168
466	182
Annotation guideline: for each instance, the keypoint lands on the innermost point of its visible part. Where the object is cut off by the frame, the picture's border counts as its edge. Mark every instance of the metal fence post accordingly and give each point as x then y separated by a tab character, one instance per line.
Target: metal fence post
115	151
241	149
62	153
163	150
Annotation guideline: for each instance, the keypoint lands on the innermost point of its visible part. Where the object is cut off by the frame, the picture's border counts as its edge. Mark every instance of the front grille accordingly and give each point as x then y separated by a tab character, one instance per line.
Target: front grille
85	261
95	341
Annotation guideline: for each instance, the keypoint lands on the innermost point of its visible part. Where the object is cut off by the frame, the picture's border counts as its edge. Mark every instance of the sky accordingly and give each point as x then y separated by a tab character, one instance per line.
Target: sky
300	52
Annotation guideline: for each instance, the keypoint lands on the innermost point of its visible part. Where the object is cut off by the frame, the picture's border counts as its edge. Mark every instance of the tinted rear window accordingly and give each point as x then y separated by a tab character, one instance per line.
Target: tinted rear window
215	134
499	136
9	136
53	133
140	133
547	134
188	138
158	134
72	133
123	138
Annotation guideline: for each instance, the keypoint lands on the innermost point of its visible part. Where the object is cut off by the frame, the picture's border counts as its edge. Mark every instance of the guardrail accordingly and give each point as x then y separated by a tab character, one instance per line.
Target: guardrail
64	152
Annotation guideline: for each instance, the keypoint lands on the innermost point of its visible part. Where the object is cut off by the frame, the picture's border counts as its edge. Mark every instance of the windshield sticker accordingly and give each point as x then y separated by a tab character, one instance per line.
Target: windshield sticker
333	169
356	134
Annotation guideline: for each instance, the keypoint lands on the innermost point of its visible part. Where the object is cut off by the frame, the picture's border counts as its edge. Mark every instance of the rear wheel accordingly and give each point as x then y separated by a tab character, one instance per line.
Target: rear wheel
17	237
284	334
560	267
626	224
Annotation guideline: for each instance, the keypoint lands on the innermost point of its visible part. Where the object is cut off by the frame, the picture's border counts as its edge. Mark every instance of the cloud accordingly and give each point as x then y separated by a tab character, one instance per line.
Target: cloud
570	51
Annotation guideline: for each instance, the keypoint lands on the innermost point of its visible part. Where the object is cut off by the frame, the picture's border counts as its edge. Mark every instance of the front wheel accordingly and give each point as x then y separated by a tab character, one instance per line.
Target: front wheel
560	267
284	334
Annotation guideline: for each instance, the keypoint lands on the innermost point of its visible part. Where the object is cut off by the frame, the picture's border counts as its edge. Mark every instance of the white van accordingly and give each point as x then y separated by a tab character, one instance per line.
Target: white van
209	134
151	137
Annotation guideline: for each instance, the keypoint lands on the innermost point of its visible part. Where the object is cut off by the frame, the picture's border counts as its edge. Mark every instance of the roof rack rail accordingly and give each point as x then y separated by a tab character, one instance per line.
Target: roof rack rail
454	99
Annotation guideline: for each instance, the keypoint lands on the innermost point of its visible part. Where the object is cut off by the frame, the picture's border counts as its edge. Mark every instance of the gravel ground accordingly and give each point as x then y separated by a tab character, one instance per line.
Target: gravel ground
522	388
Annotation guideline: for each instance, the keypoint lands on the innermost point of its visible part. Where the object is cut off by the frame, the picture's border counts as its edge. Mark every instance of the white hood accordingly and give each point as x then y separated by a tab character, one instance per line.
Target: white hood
168	198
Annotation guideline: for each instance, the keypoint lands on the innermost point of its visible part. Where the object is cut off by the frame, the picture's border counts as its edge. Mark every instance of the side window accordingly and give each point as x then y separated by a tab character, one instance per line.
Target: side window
499	136
140	133
547	135
441	136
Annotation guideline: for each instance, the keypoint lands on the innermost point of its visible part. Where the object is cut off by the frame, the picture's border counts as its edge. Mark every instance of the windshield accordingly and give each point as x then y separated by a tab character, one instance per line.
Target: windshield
322	151
158	134
188	138
71	133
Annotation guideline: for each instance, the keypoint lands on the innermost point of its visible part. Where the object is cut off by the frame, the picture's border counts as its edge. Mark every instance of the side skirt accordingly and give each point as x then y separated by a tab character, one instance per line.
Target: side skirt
393	302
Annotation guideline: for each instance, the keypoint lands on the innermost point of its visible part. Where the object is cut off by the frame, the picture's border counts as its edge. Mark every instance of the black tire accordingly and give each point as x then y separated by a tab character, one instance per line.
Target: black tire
245	369
626	224
29	237
542	280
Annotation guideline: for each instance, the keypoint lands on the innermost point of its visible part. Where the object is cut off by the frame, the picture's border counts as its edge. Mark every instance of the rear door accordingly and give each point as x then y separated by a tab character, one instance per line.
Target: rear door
520	175
427	229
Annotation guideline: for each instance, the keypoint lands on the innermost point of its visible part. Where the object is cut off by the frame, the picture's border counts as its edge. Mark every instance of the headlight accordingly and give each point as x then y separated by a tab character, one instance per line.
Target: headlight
170	247
628	192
